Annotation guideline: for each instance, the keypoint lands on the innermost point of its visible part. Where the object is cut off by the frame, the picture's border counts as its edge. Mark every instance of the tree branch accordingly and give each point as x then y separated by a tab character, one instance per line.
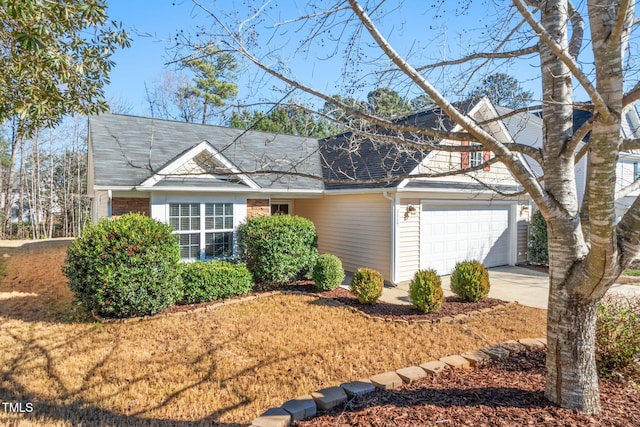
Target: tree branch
597	99
487	140
632	96
577	27
578	136
486	55
621	19
629	144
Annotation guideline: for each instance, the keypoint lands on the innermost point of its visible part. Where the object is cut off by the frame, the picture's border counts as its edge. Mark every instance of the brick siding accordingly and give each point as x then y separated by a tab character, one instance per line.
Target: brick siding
123	205
257	207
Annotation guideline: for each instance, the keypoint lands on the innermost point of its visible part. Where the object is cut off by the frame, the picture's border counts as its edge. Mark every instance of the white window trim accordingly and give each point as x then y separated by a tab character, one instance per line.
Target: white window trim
203	231
476	158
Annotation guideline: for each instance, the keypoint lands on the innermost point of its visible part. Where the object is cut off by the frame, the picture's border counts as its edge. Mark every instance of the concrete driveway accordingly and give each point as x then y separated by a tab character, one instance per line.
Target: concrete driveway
524	285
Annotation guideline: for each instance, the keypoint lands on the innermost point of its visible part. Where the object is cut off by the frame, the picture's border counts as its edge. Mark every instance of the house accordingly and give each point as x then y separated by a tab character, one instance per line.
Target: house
366	198
526	128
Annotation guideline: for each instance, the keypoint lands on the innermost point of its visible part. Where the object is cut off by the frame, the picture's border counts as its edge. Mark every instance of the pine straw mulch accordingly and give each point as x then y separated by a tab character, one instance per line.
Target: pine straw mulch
509	392
452	306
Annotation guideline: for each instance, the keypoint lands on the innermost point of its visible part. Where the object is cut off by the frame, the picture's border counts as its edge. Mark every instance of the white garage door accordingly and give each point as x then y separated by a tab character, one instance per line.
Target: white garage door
449	235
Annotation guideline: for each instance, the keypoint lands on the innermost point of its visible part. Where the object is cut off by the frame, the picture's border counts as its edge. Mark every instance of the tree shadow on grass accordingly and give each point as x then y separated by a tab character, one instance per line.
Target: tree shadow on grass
79	413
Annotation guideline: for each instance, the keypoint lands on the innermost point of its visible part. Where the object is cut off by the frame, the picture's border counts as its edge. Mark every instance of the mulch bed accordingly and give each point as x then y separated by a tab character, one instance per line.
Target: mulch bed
508	392
451	307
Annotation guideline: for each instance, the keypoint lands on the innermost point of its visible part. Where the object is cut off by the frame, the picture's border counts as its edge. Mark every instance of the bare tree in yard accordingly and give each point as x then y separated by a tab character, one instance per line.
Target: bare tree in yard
588	250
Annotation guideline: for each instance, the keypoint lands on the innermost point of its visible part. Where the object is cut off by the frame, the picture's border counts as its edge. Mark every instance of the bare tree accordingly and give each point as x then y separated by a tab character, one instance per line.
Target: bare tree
588	250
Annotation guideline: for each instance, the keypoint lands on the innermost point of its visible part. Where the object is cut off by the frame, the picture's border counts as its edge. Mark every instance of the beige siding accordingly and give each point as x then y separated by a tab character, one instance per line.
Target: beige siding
443	161
355	228
408	239
523	233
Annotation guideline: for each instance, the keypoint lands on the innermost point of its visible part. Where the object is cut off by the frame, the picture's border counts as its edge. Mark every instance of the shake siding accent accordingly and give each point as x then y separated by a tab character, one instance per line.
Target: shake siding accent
447	161
362	235
409	239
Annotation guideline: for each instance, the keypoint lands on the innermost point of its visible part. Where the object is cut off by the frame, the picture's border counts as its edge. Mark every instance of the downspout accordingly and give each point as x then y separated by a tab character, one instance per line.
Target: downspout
394	226
110	196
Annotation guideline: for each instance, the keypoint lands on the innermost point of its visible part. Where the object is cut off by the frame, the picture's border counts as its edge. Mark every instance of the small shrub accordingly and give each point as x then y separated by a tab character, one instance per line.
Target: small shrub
211	281
425	291
367	285
278	248
125	267
538	245
470	280
618	337
328	273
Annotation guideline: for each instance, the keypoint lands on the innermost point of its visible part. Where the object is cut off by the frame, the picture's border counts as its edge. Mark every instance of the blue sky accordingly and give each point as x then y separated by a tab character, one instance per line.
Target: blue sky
152	23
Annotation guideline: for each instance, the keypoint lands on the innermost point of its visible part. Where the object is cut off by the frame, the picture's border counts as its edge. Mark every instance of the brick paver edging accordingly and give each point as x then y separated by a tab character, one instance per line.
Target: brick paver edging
307	406
216	304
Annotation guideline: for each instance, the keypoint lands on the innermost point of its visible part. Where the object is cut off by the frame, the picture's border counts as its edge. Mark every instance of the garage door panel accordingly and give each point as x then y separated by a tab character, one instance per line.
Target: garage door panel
467	232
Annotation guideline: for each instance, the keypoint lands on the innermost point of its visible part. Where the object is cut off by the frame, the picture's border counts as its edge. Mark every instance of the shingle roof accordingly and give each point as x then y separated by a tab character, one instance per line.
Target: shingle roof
127	150
360	158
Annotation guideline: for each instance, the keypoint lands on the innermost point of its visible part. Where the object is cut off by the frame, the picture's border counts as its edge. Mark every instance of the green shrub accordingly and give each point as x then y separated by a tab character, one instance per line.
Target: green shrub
367	285
538	246
425	291
125	267
618	337
211	281
278	248
328	273
470	280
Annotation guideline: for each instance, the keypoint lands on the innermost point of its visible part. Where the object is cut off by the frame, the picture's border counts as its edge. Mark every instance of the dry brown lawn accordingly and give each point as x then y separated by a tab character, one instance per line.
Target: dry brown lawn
223	367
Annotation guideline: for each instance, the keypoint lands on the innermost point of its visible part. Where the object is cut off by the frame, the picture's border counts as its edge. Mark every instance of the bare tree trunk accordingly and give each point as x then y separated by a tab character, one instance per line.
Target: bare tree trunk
572	377
21	194
8	190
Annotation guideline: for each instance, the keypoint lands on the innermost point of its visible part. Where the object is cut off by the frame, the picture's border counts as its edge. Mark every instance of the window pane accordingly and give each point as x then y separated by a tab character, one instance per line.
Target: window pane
228	222
208	223
219	245
217	223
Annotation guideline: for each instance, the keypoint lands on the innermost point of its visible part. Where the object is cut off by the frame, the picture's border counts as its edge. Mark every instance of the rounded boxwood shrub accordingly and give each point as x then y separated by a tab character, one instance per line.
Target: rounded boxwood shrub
328	273
425	291
210	281
470	280
125	267
278	248
367	285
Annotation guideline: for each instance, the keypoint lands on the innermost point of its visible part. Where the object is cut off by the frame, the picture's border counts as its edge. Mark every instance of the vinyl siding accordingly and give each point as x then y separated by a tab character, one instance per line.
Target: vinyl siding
408	239
522	227
443	161
355	228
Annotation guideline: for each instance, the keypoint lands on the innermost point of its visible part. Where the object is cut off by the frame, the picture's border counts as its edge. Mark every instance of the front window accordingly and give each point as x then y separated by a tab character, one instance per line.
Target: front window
475	157
205	230
636	171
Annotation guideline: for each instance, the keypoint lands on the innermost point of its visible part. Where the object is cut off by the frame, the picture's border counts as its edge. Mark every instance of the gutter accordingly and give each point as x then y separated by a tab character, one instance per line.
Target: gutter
394	241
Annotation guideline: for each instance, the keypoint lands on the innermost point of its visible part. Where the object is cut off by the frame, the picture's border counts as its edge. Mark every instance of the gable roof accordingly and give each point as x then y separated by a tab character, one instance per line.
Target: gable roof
361	158
144	153
128	150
